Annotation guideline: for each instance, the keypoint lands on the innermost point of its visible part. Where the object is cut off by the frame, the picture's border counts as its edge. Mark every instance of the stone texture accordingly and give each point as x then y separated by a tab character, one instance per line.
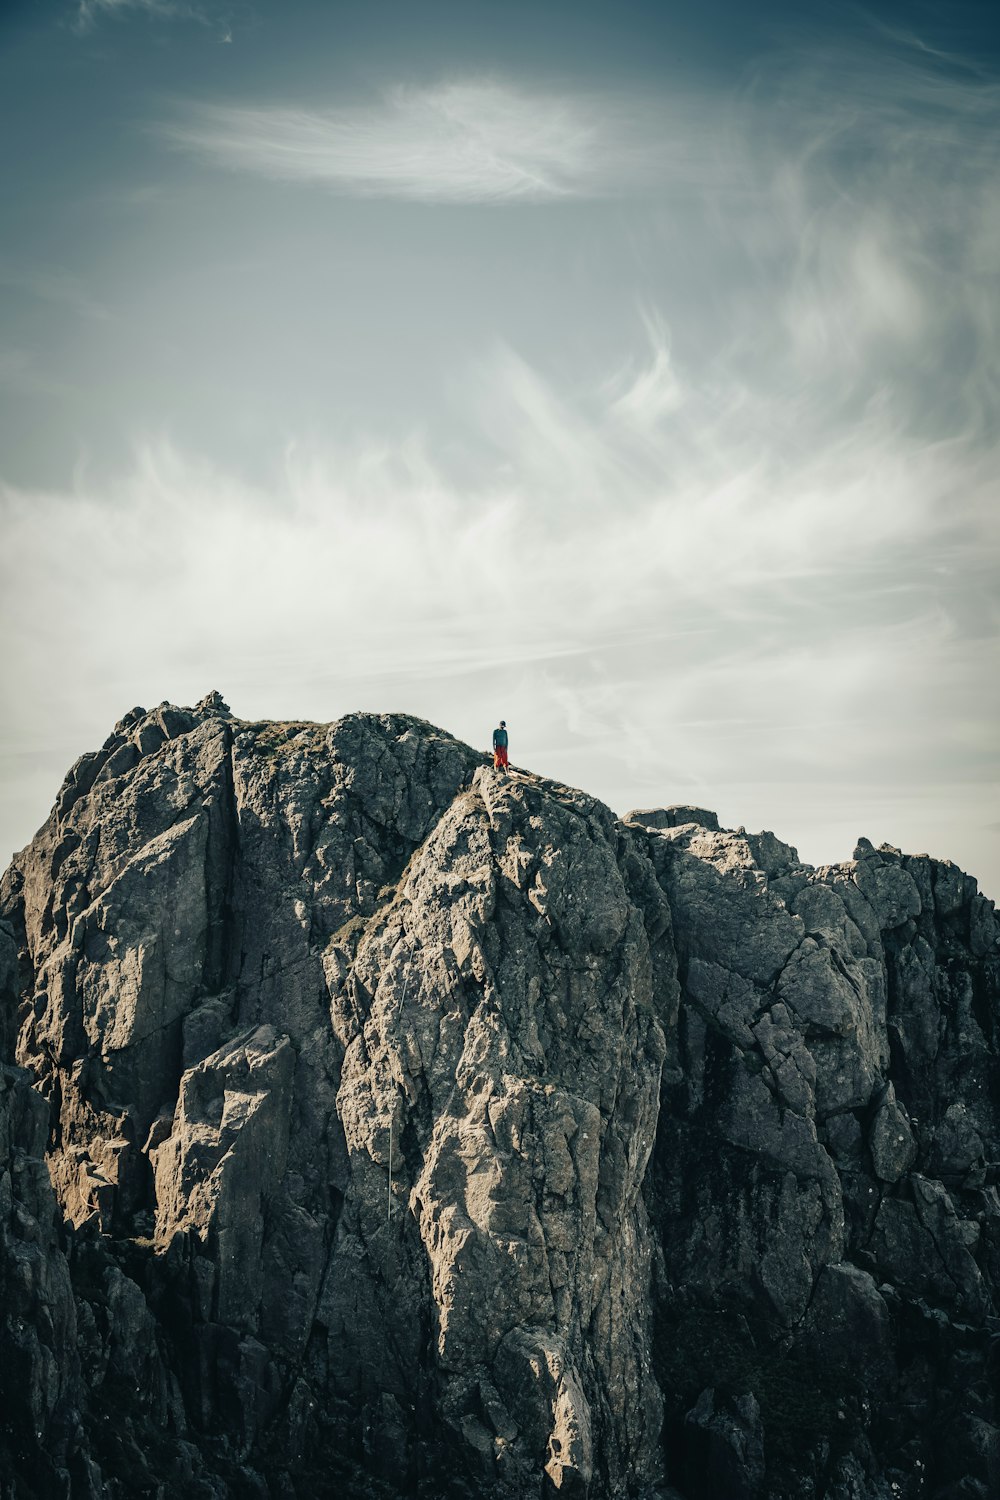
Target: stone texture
388	1123
39	1370
892	1145
672	817
726	1446
820	1186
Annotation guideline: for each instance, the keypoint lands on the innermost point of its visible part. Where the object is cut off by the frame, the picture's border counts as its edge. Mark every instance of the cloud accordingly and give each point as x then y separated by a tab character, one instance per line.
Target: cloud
657	619
91	11
471	141
880	166
819	169
753	550
692	589
646	392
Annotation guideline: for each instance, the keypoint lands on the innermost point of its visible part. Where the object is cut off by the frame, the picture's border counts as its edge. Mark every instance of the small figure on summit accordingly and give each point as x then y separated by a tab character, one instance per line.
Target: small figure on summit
500	747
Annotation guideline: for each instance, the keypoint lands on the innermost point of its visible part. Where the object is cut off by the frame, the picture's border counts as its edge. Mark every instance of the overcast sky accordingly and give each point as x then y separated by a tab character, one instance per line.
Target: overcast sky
629	371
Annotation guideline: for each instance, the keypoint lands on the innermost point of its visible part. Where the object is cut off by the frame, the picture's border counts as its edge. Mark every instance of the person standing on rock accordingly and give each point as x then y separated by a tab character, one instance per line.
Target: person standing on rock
500	747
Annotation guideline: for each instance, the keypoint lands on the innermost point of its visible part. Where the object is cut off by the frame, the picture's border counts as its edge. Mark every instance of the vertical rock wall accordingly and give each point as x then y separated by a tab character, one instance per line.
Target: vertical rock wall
824	1182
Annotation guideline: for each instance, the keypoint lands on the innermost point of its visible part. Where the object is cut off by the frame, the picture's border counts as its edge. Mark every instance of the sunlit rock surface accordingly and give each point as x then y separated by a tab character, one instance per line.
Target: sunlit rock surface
386	1125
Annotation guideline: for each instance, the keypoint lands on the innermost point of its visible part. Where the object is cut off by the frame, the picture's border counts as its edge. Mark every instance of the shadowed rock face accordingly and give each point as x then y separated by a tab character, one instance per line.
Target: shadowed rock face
411	1128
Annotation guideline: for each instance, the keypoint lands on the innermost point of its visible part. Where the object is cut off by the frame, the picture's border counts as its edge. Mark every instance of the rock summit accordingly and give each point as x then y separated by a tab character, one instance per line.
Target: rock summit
374	1123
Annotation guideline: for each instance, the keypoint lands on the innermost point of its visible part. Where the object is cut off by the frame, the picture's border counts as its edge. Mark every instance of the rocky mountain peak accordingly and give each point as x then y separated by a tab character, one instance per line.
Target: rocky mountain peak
388	1122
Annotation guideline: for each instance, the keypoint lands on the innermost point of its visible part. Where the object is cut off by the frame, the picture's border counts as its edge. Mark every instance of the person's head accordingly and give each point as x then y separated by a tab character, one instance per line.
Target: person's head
503	723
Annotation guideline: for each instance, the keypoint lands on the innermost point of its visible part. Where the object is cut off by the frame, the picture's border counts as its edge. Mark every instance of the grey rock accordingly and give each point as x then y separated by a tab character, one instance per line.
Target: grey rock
725	1444
672	817
891	1140
888	886
408	1128
957	1148
843	1137
39	1371
850	1319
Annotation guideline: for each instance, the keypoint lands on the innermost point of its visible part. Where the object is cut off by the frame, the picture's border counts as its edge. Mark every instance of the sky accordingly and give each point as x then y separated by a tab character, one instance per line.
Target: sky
629	371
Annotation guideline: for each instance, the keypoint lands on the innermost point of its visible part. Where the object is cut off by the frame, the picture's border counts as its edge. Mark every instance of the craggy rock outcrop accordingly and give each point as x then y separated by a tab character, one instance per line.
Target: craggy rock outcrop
823	1189
402	1127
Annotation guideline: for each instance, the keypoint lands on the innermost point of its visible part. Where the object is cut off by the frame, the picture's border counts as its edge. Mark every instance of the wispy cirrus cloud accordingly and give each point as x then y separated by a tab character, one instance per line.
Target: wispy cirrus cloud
717	569
662	598
886	188
757	543
90	12
475	141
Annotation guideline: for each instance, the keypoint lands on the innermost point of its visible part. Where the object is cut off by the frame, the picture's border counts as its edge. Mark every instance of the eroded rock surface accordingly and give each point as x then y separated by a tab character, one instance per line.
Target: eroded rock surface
822	1194
402	1127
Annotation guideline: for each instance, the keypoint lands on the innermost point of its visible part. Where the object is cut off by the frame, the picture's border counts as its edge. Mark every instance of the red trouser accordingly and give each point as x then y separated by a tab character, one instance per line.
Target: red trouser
500	758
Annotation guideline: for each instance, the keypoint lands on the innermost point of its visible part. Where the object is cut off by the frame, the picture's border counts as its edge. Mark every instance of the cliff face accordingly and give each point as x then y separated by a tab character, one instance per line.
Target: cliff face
413	1128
